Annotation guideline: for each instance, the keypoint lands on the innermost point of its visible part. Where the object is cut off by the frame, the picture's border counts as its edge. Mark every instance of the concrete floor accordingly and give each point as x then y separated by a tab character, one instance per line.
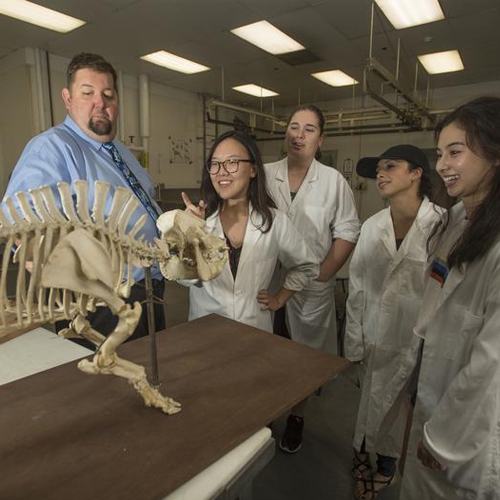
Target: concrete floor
321	469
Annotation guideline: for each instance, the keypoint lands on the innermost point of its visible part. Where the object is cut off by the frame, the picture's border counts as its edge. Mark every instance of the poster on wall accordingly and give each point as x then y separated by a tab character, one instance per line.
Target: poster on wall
181	151
347	170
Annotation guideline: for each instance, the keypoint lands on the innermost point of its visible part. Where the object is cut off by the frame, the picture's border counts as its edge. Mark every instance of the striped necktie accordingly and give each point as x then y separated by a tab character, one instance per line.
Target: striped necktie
135	185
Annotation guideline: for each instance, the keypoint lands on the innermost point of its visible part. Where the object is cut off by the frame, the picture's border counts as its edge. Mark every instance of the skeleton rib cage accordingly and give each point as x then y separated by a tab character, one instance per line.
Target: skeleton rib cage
38	230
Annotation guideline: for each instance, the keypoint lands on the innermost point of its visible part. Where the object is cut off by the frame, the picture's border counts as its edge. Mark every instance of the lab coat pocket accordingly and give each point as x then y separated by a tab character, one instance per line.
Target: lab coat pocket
264	270
460	338
412	279
316	220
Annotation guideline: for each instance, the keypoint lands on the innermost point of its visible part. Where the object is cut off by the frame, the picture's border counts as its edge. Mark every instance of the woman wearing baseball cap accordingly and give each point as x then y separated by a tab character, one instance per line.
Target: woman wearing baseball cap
386	286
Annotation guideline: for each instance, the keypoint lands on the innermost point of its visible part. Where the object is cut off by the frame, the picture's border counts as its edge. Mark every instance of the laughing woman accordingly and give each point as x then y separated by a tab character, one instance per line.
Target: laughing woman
238	208
454	449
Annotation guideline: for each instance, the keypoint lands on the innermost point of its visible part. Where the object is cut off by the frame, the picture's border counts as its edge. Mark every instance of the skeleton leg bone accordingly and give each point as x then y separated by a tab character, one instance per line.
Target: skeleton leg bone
107	362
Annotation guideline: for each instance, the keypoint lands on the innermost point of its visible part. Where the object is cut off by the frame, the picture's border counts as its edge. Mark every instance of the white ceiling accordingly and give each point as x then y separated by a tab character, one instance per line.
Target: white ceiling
336	31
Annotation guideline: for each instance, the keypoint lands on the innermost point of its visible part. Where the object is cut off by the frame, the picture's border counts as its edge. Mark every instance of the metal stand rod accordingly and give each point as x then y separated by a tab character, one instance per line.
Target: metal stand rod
155	379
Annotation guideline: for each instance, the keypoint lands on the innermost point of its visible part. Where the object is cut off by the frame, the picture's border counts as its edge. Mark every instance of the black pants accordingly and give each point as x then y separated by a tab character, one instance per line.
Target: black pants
104	321
279	323
385	465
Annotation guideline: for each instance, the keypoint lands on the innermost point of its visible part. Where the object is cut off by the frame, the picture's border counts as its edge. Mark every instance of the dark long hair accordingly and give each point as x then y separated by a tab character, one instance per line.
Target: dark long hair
257	191
480	119
425	187
319	115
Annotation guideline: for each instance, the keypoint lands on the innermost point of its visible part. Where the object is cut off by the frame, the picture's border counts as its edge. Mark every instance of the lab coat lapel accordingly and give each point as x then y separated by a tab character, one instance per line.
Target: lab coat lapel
386	231
252	236
308	183
283	186
214	226
455	277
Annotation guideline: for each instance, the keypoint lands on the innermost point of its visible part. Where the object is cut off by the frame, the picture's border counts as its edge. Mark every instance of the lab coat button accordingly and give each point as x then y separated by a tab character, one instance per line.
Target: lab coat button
388	398
402	375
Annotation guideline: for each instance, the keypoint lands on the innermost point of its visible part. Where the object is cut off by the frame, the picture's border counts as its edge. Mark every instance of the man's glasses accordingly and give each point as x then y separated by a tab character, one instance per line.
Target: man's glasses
230	166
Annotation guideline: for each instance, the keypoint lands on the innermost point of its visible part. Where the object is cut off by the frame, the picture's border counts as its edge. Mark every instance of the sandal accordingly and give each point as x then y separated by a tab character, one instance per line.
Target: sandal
370	488
361	466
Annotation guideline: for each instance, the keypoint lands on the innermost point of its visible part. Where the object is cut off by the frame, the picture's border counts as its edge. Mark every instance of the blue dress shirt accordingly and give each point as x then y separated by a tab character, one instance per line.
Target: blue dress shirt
65	154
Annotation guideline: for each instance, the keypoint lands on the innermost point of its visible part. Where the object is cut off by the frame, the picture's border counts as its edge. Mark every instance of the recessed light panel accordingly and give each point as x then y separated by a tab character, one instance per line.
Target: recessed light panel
173	62
33	13
255	90
268	38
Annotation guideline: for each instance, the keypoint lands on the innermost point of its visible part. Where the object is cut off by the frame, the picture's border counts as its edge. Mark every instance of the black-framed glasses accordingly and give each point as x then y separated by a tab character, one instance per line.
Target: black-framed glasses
230	165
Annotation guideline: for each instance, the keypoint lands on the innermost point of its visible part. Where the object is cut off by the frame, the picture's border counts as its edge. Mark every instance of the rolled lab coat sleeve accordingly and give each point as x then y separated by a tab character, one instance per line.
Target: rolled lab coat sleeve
465	418
354	342
294	254
345	224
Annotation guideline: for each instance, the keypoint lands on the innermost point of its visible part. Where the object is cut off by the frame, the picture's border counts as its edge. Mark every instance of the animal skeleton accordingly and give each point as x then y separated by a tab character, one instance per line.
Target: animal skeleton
72	261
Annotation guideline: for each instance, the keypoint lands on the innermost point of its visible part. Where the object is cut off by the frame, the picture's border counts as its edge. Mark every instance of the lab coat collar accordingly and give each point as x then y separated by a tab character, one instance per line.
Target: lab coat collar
252	236
416	233
312	175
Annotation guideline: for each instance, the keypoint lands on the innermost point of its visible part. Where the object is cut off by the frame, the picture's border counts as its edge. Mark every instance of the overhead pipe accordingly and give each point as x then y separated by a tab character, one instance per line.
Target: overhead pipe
343	132
249	111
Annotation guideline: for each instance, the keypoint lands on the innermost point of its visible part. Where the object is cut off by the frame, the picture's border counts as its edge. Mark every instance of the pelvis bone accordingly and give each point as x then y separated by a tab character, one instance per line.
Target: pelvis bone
74	259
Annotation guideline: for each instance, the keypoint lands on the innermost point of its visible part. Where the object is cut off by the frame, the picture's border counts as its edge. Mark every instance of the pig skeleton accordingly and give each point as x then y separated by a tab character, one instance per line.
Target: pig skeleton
79	260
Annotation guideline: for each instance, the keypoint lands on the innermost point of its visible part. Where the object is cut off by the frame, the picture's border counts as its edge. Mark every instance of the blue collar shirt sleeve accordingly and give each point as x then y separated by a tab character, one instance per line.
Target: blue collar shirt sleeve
65	153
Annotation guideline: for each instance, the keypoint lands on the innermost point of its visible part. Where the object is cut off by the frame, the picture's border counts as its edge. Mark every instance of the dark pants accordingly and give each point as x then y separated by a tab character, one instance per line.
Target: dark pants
104	321
279	324
385	465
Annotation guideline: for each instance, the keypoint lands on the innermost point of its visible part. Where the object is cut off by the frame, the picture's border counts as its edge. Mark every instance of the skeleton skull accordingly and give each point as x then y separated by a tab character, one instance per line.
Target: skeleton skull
193	253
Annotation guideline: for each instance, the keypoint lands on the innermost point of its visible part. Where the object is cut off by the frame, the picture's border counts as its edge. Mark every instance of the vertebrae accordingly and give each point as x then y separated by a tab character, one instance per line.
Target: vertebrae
72	260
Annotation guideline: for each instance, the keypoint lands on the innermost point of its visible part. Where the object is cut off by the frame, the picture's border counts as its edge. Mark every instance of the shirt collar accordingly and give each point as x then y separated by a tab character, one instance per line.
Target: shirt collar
71	124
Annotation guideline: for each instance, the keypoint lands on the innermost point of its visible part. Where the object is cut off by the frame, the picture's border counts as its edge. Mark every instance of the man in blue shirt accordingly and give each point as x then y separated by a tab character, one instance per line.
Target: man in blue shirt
82	147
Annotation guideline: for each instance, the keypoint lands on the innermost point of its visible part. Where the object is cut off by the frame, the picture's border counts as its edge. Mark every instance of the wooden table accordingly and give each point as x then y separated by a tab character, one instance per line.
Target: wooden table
65	434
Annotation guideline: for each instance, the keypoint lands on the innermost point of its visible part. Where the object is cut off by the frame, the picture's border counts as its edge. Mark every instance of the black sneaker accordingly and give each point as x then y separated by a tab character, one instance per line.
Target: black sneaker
291	441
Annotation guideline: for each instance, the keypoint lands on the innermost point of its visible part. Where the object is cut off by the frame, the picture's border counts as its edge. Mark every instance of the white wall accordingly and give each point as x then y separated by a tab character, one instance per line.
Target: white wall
176	120
17	116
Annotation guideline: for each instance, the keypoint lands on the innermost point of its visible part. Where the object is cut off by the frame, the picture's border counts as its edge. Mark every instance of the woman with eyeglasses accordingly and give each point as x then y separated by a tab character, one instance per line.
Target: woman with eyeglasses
237	207
320	203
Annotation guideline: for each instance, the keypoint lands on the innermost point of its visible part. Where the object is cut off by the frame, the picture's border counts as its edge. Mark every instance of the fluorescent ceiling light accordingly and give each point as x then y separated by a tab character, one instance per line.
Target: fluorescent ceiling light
41	16
176	63
406	13
255	90
268	38
442	62
335	78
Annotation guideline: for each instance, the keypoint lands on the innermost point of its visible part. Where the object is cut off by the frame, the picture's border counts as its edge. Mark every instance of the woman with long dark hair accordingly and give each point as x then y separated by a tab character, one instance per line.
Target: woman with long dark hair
320	203
454	449
386	286
237	207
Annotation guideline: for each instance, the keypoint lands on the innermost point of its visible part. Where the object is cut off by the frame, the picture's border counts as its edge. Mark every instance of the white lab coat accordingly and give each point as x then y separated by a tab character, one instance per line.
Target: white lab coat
386	286
457	413
322	210
237	298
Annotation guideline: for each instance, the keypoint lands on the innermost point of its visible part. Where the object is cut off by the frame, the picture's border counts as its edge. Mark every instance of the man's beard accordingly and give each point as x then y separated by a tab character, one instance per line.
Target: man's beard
100	126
